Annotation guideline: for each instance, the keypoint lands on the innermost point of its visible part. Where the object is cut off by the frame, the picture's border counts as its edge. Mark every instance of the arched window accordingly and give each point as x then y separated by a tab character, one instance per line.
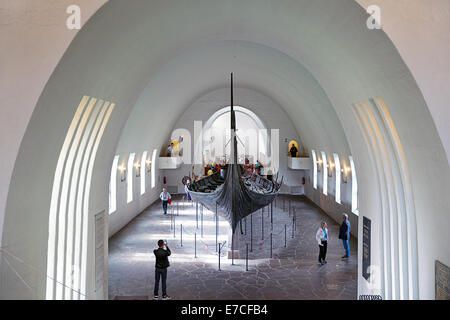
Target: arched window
252	136
113	186
142	168
291	144
154	168
324	173
354	187
130	177
337	170
314	159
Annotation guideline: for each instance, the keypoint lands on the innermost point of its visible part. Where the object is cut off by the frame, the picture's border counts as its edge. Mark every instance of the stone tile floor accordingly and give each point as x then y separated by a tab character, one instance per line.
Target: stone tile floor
292	273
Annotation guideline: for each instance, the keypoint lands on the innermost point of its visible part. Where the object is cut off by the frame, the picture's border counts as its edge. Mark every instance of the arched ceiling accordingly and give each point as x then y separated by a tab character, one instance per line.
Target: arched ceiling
329	39
195	72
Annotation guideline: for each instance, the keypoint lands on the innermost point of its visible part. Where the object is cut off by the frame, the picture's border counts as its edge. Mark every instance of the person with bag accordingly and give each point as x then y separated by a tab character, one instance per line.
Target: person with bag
161	265
344	235
165	196
322	240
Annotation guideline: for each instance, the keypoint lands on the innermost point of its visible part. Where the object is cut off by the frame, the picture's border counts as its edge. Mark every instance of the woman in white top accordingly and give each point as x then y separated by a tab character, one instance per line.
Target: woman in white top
322	240
165	196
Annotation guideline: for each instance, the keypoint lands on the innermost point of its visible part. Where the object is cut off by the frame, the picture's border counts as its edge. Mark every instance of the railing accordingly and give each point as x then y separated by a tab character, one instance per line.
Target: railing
169	162
300	163
277	239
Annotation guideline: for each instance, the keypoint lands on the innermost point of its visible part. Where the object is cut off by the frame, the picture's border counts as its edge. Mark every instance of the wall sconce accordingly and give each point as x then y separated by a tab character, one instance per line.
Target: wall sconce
137	166
147	164
123	173
345	172
330	169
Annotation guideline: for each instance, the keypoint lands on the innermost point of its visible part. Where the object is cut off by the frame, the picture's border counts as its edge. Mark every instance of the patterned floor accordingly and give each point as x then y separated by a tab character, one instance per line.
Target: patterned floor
292	273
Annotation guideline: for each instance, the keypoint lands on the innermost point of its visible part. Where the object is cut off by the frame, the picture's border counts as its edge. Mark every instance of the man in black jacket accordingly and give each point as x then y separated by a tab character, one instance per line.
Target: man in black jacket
344	234
293	151
162	262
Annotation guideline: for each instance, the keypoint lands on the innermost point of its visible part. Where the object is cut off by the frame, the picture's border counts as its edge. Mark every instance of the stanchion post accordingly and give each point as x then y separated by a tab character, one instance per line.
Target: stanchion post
271	216
271	245
232	249
196	213
217	227
195	245
293	226
219	256
251	232
201	214
246	257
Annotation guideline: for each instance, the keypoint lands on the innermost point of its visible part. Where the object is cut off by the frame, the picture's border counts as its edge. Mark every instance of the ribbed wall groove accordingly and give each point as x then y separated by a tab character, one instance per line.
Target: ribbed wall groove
398	215
68	216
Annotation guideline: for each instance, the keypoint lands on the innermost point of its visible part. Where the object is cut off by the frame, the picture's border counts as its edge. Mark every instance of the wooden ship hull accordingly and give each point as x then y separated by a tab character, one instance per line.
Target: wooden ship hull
235	194
232	192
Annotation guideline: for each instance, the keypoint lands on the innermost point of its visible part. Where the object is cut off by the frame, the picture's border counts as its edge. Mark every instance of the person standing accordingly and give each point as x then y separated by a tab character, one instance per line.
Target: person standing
258	167
322	240
161	265
170	150
165	196
293	151
344	234
186	189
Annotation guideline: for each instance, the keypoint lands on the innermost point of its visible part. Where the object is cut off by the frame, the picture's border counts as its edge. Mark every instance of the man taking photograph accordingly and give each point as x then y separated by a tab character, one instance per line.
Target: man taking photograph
161	265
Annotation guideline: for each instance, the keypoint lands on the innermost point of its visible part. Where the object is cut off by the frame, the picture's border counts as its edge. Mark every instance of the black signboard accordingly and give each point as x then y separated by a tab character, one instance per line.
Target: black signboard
366	248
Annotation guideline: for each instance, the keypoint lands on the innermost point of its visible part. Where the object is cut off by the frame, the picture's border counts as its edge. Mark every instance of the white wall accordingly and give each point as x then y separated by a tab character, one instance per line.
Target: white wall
125	212
426	53
328	202
34	38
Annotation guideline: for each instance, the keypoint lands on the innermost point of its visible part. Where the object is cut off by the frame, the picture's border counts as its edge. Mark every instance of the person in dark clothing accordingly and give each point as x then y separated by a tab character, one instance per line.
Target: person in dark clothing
344	234
161	265
293	151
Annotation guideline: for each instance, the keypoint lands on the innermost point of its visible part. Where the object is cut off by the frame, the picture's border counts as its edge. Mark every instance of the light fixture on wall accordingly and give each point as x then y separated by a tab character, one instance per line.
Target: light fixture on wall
345	172
331	168
123	172
148	163
137	167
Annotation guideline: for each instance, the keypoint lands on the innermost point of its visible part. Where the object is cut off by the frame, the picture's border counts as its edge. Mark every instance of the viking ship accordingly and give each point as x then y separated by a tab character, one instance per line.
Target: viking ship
233	192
